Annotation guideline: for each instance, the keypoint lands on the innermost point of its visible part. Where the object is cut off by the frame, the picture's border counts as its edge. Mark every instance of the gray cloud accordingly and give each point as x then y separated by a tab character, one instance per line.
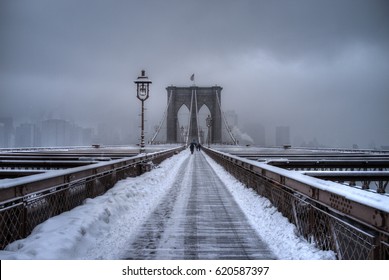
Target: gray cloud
318	66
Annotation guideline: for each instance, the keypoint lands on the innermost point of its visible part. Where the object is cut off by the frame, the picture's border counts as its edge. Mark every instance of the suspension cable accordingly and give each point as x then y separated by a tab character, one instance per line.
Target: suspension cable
225	120
163	118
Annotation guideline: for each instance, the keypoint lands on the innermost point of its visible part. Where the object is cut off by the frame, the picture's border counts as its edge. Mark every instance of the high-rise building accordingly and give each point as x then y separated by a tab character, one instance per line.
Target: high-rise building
60	133
56	133
27	135
87	136
282	135
6	132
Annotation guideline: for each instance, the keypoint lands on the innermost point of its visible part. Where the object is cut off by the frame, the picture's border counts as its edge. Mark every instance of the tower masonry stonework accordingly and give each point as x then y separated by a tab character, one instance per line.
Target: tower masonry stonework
194	98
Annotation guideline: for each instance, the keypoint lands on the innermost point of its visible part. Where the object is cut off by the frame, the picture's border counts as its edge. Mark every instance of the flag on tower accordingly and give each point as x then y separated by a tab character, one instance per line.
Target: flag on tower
192	77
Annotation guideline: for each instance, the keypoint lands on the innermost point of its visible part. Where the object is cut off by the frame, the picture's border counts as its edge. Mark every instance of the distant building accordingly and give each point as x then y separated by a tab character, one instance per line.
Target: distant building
87	136
2	136
55	133
60	133
282	135
48	133
110	135
27	135
6	132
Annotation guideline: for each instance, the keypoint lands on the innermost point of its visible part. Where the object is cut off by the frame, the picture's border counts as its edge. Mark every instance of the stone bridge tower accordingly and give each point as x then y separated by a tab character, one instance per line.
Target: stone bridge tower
194	98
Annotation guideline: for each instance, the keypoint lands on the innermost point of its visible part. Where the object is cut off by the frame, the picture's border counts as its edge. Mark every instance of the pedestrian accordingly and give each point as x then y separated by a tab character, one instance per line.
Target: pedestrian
192	147
198	147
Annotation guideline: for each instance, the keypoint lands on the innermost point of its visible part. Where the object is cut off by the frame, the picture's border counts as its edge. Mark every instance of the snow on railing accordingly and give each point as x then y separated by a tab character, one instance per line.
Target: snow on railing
27	201
353	223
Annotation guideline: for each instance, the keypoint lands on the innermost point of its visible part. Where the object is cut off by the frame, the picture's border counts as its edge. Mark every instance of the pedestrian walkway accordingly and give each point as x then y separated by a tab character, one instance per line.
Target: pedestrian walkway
197	219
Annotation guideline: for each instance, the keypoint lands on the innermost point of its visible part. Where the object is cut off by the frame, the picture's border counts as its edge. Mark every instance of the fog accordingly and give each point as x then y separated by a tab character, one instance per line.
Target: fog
319	67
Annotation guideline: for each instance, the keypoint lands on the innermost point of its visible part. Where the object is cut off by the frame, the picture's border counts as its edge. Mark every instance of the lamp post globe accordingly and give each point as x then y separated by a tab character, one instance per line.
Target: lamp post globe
142	93
142	86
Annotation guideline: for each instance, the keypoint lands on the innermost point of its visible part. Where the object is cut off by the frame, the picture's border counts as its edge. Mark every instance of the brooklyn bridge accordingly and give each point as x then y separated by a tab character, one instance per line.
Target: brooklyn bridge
335	199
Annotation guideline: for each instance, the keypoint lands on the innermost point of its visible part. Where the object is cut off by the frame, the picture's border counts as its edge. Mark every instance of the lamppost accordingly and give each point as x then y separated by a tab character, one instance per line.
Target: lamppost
142	93
182	134
208	120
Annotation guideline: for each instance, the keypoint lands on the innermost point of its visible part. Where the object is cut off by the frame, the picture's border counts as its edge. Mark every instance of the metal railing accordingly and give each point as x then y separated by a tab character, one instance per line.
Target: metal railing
332	222
27	202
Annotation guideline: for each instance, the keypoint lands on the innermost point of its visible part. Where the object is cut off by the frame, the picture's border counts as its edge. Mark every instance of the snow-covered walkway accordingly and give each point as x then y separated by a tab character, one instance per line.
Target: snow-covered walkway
188	207
198	219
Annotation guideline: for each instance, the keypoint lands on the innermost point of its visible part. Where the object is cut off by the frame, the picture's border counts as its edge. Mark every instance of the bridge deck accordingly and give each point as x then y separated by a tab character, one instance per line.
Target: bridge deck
197	219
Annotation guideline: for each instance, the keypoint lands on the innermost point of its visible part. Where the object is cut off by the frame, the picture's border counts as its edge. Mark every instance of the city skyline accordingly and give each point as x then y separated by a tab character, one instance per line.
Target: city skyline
61	132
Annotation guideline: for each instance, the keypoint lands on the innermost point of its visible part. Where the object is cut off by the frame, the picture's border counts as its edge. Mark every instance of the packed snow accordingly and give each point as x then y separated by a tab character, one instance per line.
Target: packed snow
102	227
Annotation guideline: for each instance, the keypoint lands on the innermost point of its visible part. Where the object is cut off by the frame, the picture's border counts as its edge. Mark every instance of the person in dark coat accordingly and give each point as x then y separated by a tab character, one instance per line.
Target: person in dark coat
192	147
198	147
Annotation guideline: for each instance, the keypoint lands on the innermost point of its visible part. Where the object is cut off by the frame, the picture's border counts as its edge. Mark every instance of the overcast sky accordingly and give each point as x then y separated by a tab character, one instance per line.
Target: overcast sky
321	67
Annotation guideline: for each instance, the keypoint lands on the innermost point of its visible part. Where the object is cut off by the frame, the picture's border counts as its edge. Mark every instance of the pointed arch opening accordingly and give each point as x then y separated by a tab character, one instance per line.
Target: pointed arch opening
202	115
183	115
